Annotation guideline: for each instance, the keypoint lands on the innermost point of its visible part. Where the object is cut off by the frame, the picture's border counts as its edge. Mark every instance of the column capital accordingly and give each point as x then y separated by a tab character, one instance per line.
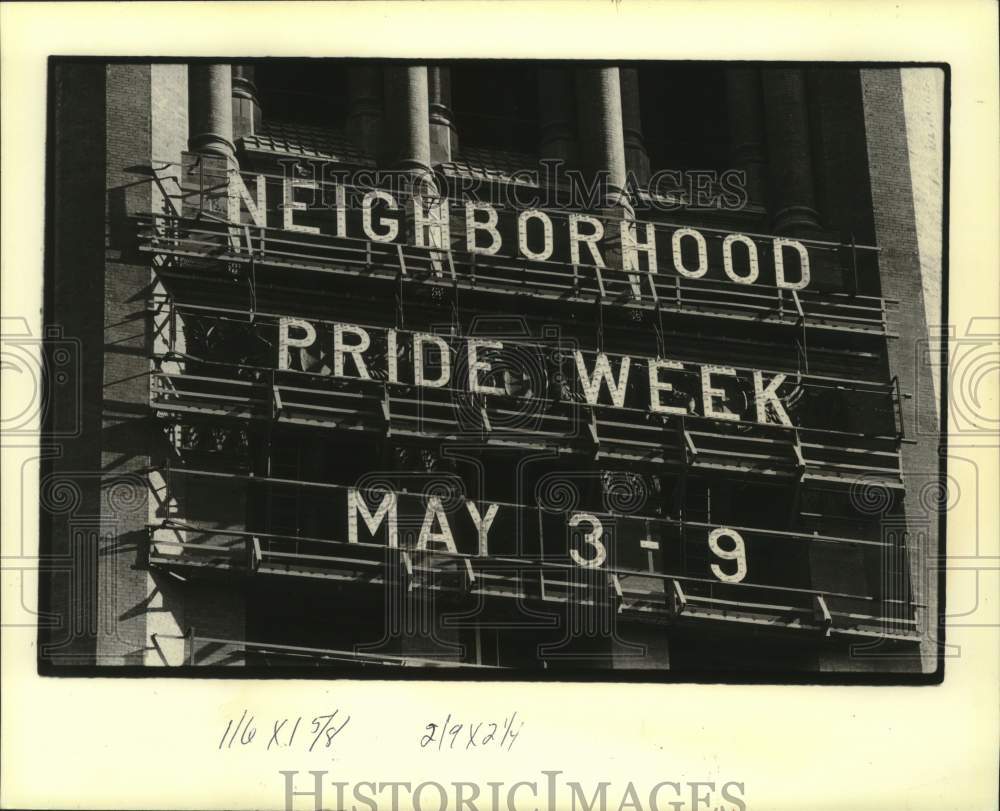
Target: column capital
243	81
246	102
210	100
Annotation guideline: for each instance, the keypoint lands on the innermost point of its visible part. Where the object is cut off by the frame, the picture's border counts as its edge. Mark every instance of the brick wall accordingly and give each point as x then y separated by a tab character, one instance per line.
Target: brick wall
110	122
923	103
900	267
147	124
126	424
214	608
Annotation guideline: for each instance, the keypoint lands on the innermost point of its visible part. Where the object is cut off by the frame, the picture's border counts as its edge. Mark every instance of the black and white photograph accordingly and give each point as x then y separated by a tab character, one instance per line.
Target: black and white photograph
528	406
489	368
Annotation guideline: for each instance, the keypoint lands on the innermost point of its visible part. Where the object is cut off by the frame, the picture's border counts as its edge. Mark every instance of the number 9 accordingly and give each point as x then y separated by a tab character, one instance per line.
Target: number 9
737	553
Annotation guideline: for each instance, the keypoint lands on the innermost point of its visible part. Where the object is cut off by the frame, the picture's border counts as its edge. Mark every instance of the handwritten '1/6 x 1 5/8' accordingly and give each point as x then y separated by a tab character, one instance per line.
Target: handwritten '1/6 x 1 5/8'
320	729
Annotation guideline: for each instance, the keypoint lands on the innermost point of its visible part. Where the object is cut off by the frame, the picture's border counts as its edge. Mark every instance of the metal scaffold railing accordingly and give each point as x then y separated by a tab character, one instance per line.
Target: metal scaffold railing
209	247
636	581
407	412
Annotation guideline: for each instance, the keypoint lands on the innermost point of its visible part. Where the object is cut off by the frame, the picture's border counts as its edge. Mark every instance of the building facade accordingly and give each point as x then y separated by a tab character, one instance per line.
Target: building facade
472	366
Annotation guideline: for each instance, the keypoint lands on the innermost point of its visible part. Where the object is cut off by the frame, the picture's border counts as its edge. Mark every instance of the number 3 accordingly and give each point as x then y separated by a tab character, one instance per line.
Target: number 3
737	553
593	538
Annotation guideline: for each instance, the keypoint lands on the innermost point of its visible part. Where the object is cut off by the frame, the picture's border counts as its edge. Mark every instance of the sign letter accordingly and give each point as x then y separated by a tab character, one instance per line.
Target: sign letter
286	341
356	504
779	264
419	339
482	524
430	222
675	242
289	206
476	366
727	258
238	193
391	226
764	397
591	240
472	225
708	393
339	349
656	386
427	535
630	252
602	372
522	234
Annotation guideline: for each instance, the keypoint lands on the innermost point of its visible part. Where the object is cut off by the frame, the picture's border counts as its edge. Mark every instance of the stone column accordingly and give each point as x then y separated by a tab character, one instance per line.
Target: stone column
246	104
409	133
556	103
746	129
408	113
602	150
602	136
444	135
210	102
791	191
636	157
364	117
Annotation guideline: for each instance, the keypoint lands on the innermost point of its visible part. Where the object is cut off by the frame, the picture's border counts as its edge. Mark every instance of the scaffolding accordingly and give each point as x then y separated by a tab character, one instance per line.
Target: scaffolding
186	388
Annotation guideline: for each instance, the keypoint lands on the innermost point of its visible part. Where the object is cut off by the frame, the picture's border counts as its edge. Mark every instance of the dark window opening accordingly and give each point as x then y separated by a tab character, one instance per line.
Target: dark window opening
684	116
495	105
308	92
